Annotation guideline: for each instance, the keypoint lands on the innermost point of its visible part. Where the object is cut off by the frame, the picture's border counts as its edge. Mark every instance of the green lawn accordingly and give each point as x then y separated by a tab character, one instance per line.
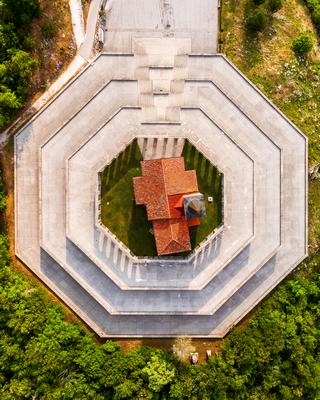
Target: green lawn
129	222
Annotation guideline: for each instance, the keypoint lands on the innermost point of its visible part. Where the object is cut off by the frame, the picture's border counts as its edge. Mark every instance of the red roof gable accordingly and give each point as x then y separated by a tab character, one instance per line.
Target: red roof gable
172	236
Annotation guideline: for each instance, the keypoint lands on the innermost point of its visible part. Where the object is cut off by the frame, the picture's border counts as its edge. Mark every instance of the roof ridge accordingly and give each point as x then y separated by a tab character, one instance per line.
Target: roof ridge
173	241
165	186
172	235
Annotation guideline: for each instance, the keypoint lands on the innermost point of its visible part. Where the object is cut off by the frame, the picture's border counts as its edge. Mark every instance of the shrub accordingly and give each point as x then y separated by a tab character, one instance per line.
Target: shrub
312	4
257	20
48	30
257	2
275	5
29	42
316	17
302	44
314	8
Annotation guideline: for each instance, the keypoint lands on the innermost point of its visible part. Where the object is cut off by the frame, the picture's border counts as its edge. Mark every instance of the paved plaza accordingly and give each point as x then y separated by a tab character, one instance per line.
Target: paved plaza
160	80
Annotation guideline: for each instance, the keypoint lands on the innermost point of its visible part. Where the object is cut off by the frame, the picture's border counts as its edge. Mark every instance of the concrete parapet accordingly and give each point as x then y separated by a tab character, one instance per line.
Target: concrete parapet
161	95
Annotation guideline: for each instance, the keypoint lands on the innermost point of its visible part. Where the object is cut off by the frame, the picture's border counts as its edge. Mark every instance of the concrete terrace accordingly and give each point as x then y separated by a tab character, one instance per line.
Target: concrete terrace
161	87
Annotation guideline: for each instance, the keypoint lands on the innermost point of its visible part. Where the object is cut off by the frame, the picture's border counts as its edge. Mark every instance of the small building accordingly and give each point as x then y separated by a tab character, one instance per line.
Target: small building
173	202
194	206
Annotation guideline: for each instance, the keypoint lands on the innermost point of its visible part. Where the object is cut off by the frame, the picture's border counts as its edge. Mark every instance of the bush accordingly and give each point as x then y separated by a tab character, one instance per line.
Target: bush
314	8
183	347
257	20
275	5
312	4
316	17
48	30
29	42
257	2
302	44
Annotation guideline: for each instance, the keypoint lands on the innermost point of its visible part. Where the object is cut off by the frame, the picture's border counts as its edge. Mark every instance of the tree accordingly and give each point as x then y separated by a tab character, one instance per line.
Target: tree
316	16
16	65
126	390
257	20
8	39
8	104
22	11
159	373
302	44
275	5
19	67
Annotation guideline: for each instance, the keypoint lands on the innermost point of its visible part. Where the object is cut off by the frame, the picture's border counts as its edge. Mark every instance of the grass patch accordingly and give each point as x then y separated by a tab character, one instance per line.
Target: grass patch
119	211
128	221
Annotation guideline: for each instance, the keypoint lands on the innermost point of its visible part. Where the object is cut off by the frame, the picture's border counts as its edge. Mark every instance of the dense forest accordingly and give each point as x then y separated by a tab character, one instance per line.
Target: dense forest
16	62
43	356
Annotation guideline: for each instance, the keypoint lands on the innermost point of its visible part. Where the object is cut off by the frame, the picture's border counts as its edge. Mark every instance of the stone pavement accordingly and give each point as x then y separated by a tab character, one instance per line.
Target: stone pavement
161	87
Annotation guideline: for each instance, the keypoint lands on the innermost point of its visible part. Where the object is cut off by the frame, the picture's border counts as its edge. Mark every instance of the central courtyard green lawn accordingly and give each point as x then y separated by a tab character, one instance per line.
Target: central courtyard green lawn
128	221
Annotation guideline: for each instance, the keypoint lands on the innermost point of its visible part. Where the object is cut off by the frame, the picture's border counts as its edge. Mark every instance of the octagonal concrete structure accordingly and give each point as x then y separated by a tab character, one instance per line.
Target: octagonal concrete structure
162	85
175	273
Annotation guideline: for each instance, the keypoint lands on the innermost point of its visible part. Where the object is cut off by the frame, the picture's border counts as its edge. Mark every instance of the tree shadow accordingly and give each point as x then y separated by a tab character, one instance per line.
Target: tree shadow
140	239
127	159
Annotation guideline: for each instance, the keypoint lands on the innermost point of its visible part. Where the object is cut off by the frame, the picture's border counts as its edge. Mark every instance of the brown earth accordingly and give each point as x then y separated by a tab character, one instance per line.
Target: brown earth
54	54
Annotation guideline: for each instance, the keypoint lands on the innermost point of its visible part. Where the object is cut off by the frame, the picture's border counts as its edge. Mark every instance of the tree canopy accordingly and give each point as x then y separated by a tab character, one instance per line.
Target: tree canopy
16	64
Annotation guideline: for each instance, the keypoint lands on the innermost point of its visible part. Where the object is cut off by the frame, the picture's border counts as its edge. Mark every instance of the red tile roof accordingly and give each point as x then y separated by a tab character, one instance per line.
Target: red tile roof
161	188
177	180
176	206
162	178
172	235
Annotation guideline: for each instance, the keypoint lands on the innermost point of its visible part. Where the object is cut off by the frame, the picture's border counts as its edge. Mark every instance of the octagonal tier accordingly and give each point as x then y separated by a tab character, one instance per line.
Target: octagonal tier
206	91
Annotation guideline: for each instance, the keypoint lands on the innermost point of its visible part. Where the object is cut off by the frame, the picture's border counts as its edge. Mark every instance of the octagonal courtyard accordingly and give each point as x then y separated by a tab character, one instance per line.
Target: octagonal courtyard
163	93
128	221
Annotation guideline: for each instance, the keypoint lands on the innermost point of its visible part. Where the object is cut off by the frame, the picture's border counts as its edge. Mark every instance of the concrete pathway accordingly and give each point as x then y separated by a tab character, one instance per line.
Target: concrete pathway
77	21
